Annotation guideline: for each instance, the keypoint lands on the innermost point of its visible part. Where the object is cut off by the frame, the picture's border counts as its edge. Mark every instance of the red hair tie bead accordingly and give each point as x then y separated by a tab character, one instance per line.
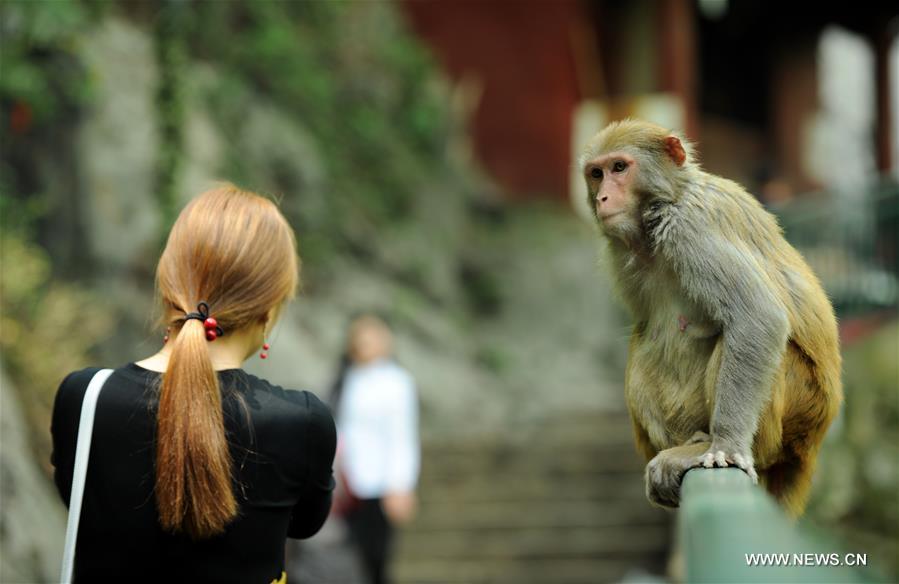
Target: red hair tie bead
213	330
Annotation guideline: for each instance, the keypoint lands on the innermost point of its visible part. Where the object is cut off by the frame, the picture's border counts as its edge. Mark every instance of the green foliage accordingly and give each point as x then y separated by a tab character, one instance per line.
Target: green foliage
17	216
171	55
40	73
493	358
348	71
482	291
48	327
359	82
859	469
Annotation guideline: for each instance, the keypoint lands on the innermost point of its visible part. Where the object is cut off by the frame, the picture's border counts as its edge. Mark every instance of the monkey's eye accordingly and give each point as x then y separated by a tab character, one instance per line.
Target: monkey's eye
596	172
619	166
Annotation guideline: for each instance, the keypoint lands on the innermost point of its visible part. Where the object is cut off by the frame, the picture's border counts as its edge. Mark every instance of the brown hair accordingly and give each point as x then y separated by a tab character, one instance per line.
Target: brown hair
235	251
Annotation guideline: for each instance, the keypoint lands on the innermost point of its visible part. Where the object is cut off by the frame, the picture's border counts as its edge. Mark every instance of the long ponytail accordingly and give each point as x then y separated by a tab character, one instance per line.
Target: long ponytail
193	476
234	250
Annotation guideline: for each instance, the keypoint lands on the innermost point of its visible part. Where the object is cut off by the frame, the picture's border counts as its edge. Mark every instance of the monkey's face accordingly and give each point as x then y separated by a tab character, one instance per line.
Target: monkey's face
628	166
611	191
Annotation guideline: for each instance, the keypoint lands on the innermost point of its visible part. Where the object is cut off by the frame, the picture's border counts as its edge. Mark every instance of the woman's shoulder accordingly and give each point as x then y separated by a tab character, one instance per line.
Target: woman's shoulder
288	403
69	399
72	388
79	378
289	397
74	385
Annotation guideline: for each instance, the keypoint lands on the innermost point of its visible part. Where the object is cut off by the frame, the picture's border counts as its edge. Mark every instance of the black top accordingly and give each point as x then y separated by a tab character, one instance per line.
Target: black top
282	447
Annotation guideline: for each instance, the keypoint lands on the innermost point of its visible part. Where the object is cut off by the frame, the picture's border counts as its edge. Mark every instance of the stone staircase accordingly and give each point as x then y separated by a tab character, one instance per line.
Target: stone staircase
559	501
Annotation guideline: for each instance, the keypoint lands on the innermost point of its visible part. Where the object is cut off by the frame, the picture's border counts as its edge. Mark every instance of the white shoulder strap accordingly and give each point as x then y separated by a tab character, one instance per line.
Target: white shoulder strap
79	473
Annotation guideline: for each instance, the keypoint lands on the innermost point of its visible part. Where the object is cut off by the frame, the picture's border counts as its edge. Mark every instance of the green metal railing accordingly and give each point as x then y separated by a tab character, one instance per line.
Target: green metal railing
730	531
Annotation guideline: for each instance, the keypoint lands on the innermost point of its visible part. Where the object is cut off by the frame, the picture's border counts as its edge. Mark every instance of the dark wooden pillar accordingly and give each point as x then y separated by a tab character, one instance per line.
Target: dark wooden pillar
883	38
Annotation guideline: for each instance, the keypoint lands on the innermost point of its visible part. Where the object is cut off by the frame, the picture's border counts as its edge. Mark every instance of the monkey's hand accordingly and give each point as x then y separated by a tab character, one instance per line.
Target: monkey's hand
722	454
665	472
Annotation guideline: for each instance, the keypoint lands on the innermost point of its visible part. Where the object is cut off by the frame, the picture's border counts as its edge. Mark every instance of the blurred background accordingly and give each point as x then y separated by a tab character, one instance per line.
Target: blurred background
423	152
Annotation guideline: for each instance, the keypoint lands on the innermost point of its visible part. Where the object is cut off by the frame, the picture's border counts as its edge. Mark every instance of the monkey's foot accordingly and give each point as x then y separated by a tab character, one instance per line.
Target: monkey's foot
665	472
722	456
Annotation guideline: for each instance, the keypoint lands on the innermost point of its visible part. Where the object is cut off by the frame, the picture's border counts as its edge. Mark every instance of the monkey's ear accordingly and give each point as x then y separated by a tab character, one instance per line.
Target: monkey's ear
675	150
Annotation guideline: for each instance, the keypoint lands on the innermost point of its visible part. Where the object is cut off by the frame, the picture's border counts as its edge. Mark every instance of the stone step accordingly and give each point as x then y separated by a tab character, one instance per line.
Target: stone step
559	513
566	466
553	571
559	501
619	488
542	446
532	542
577	430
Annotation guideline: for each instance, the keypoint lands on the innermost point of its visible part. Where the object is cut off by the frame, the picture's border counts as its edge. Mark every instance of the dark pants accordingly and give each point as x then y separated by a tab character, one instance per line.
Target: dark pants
372	534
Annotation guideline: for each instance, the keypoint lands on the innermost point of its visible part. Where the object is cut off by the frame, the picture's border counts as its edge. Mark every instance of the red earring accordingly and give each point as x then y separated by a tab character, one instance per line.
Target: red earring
165	339
264	354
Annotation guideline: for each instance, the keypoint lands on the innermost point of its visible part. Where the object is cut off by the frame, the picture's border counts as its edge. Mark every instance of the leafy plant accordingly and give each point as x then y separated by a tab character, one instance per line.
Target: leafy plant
47	327
358	81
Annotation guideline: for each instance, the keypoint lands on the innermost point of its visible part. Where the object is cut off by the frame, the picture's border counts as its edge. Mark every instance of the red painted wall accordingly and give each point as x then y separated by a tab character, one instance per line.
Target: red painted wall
521	52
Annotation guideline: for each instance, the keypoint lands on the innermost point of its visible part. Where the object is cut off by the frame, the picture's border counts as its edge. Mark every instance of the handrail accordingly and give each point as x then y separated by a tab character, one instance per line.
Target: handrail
724	518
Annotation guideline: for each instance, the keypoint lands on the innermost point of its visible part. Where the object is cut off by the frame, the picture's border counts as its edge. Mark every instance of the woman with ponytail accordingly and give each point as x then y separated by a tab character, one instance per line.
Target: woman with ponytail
198	471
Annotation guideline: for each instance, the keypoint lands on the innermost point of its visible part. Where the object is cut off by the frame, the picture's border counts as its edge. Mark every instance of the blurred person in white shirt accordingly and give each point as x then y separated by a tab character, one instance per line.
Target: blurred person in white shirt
378	453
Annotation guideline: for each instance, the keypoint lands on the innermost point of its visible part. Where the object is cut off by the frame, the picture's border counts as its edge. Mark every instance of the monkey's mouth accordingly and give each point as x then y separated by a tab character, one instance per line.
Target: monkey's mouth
605	218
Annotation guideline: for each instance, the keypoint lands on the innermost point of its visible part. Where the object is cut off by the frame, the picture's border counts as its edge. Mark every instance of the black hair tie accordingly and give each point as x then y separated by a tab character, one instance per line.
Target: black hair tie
213	330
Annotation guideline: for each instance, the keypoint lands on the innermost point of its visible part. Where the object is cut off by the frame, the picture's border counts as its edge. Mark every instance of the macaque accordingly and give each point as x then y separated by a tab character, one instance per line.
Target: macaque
734	356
